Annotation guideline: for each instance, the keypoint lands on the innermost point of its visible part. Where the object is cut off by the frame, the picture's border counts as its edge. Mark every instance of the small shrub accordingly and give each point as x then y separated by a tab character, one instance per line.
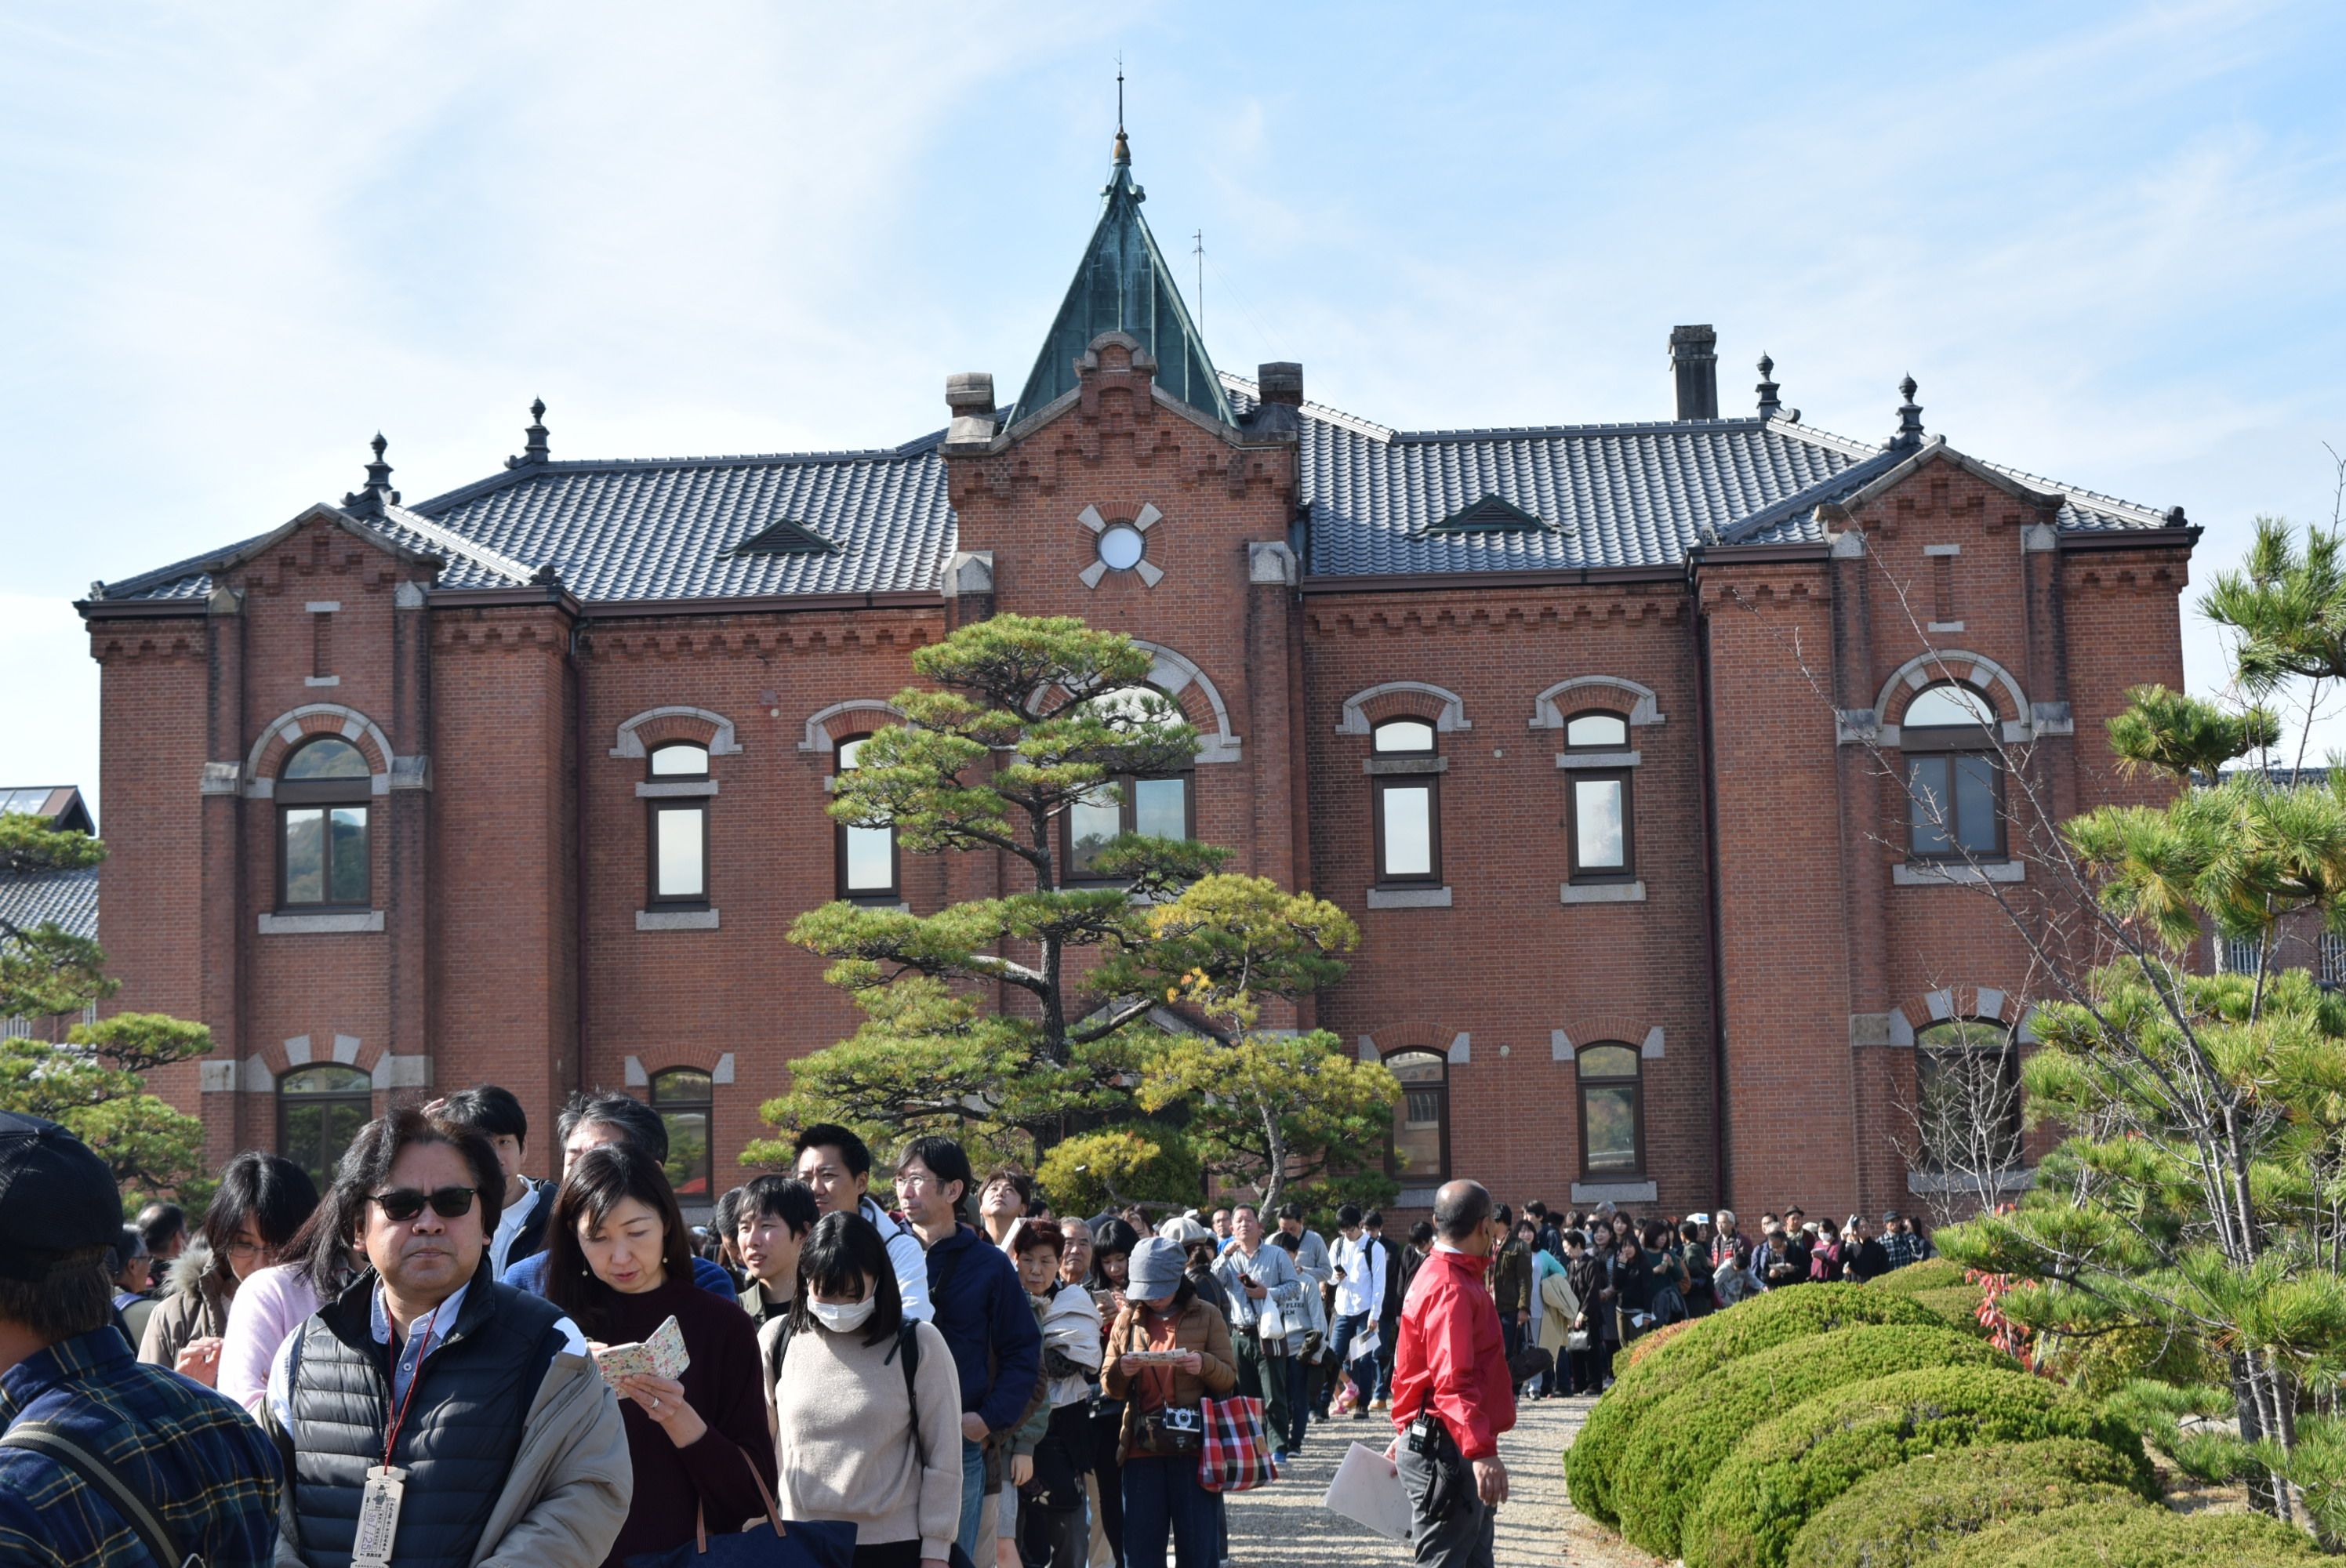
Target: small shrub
1789	1469
1685	1438
1758	1324
2101	1364
1931	1274
1991	1546
1958	1305
1905	1516
2154	1538
1649	1343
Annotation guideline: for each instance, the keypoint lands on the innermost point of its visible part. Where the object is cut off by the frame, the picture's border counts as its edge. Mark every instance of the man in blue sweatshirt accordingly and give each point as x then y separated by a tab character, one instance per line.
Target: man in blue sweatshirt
984	1314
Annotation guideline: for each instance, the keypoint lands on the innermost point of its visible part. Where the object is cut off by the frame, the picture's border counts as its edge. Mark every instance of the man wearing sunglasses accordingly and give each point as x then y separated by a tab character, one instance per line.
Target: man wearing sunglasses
430	1413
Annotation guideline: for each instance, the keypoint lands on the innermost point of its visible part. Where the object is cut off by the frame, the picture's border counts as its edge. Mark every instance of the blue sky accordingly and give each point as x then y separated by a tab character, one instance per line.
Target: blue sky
2109	242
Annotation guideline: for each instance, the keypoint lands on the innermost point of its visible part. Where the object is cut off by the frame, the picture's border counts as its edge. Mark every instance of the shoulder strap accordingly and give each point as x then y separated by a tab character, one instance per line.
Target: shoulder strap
908	1351
781	1349
42	1438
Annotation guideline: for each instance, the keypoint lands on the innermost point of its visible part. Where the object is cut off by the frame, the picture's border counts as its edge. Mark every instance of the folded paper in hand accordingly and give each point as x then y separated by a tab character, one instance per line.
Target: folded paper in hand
661	1354
1367	1491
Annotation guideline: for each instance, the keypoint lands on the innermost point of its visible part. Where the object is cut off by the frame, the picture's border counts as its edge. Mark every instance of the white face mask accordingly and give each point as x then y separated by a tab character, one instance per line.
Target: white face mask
844	1317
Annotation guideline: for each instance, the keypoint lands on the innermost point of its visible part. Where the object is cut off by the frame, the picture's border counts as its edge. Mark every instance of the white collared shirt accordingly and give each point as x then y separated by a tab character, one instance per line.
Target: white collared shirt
510	1220
1363	1288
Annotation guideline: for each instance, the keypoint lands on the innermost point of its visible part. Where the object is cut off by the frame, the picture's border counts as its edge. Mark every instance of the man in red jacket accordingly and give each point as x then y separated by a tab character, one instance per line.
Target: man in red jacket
1451	1396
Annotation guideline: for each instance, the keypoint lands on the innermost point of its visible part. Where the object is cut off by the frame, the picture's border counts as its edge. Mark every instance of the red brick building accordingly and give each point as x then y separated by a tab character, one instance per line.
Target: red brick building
527	781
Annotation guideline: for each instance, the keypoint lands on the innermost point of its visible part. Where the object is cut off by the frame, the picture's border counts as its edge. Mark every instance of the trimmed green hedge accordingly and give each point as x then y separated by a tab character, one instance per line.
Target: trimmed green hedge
1931	1274
2144	1538
1789	1469
1905	1516
1671	1454
1759	1324
1990	1547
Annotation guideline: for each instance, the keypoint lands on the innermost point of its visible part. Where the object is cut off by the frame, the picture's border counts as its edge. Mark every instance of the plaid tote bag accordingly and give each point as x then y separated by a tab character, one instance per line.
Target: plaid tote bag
1234	1457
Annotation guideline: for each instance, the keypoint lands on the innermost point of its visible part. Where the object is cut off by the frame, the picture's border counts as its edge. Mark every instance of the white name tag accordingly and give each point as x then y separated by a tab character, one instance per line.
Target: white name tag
378	1516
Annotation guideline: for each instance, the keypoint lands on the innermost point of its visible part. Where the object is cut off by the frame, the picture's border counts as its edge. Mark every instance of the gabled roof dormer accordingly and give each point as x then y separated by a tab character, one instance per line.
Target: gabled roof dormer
1124	286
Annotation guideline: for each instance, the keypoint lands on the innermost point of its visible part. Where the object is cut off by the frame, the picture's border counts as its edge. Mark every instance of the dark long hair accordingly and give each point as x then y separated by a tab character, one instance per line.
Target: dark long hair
846	1248
600	1181
276	1195
339	1224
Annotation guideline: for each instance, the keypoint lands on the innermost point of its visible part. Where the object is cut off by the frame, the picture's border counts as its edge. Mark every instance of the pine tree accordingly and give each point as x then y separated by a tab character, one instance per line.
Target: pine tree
95	1083
1025	719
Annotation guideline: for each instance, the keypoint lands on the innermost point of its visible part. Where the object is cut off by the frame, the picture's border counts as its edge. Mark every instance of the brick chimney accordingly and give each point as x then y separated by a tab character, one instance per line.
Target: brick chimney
1694	362
1280	382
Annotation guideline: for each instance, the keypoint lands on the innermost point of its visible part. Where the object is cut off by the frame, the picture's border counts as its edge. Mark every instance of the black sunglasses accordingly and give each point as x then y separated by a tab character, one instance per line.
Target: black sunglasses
406	1203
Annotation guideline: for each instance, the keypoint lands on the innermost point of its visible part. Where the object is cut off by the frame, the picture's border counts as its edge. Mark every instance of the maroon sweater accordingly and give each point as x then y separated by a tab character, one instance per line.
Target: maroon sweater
721	1385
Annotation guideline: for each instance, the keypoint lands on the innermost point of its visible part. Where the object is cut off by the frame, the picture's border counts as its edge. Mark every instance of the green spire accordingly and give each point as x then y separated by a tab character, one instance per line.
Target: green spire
1125	286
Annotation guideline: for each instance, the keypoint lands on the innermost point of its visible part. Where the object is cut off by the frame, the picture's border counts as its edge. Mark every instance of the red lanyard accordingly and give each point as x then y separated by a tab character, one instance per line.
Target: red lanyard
391	1441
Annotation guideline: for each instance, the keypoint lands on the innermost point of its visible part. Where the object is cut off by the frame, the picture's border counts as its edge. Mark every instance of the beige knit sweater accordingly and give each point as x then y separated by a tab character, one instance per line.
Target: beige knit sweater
844	1435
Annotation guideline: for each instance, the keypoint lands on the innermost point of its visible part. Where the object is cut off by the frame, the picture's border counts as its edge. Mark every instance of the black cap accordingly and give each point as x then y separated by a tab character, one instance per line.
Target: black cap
56	1197
1891	1217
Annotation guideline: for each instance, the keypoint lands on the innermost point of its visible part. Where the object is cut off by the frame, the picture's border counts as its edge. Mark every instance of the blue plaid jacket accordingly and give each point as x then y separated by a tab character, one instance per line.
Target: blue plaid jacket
198	1460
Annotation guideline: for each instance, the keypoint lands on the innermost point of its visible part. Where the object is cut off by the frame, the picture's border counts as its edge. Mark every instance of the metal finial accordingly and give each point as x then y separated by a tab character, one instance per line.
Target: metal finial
370	498
1910	418
1769	405
1123	146
534	448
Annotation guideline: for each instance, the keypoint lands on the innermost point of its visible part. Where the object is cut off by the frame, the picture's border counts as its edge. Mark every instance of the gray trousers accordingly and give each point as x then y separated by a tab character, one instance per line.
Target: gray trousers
1465	1540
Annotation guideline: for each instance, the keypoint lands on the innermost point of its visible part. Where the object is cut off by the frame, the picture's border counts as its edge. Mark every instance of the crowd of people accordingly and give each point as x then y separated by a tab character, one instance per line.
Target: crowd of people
1577	1287
409	1368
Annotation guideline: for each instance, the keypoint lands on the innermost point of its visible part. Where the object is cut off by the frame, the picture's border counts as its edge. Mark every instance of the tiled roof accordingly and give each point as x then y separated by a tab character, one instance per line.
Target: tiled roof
1608	495
1603	495
667	528
69	898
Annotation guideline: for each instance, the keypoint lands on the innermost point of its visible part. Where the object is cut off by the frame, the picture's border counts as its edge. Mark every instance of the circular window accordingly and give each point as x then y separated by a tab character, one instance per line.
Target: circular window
1120	547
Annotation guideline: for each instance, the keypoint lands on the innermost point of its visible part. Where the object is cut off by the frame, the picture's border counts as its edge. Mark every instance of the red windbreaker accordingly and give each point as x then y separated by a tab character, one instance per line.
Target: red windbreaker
1452	1357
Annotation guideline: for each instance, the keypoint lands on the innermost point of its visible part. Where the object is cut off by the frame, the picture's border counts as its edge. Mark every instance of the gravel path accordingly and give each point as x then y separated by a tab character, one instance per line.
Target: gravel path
1285	1524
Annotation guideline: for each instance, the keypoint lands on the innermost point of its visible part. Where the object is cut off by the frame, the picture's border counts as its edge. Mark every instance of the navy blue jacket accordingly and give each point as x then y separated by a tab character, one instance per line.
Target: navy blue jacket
984	1314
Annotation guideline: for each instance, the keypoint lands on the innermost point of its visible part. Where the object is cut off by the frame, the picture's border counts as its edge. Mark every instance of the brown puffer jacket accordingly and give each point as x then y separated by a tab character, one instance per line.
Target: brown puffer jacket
1200	1328
195	1307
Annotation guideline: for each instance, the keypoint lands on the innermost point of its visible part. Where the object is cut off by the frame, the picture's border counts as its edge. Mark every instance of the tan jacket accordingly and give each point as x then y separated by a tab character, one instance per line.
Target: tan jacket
1557	1307
1200	1329
196	1312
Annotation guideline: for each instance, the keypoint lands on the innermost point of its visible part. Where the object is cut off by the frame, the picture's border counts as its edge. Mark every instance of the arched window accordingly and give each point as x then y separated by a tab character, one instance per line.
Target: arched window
1407	789
867	856
677	826
319	1111
681	1095
323	794
1598	821
1967	1095
1421	1143
1612	1110
1154	805
1954	785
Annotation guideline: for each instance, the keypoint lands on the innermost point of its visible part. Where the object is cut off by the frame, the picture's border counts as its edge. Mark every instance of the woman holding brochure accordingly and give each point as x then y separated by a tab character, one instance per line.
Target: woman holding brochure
618	1260
1167	1352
